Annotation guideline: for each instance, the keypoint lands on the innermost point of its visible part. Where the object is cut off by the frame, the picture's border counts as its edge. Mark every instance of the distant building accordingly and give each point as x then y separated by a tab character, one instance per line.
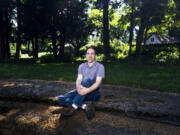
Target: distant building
159	39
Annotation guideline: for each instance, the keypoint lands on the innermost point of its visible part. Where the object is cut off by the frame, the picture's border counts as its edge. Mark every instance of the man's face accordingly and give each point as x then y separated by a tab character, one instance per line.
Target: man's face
90	55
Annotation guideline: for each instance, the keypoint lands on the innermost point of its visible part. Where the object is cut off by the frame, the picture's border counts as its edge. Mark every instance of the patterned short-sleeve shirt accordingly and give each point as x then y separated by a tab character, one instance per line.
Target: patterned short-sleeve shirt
96	70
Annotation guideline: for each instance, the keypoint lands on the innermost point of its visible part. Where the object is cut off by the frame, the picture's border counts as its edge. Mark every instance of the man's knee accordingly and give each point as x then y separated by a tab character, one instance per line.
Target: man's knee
64	101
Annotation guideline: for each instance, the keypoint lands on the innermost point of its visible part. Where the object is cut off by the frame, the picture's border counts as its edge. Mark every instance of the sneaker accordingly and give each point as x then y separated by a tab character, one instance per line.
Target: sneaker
90	110
68	112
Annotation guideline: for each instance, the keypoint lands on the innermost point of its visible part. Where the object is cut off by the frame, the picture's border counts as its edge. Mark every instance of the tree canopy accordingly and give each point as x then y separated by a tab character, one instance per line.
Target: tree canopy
53	26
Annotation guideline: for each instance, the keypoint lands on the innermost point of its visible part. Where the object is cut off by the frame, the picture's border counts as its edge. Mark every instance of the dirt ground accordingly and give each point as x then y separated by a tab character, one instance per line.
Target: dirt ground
19	118
159	106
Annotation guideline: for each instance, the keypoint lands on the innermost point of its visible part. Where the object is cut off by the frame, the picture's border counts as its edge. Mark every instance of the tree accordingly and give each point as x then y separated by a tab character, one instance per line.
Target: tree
33	25
177	20
132	25
5	28
82	28
19	28
131	15
150	13
106	28
54	28
72	24
177	9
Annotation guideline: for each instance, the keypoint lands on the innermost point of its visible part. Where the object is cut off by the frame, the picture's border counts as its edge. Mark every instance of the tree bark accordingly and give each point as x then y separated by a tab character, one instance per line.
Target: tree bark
33	48
7	31
18	44
1	31
77	48
53	37
62	44
140	36
106	29
131	27
36	49
145	34
179	50
35	35
54	45
28	45
2	34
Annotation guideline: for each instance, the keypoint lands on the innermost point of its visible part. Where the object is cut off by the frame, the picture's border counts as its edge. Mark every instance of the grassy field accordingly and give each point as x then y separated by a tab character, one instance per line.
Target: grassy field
155	77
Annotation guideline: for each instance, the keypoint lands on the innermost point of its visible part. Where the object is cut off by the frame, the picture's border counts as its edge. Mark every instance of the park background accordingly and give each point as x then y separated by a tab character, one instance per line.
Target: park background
138	41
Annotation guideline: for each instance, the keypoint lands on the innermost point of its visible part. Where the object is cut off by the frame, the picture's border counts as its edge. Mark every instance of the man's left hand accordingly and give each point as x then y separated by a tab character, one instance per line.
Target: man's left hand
83	90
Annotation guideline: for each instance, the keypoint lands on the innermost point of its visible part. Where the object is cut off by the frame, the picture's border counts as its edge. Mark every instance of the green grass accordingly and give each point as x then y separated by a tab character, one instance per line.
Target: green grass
50	71
155	77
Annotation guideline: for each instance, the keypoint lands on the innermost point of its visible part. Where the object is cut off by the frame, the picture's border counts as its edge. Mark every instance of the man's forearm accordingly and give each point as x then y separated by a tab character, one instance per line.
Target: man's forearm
78	83
94	86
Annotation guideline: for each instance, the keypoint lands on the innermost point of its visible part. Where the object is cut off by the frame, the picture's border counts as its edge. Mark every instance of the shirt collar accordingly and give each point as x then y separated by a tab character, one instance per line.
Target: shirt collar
92	65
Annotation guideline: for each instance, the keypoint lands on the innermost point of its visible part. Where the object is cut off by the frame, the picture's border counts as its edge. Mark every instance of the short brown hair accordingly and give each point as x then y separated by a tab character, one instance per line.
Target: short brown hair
91	47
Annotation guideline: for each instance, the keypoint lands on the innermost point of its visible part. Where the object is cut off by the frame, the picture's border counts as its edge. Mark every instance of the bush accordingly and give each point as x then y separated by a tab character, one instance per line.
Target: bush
164	57
68	57
162	53
119	49
48	58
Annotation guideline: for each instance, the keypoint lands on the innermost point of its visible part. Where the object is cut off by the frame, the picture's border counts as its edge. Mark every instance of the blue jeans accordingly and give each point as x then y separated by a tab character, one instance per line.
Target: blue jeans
75	98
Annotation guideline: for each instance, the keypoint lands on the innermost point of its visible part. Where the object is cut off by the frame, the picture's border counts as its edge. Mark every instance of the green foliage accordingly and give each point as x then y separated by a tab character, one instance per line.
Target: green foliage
81	24
100	57
166	53
95	18
119	49
167	21
49	58
12	49
167	57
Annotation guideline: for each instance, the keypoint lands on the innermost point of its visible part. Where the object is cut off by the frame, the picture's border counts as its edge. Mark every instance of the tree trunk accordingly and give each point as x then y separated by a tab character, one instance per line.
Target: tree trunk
140	36
1	34
7	32
36	50
18	45
131	28
145	34
77	48
62	44
28	45
179	50
177	5
1	29
53	37
34	36
106	29
33	48
1	19
54	45
4	32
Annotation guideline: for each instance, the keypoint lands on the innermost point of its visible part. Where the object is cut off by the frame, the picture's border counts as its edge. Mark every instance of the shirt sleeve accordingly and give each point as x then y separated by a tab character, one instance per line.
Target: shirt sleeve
100	71
80	70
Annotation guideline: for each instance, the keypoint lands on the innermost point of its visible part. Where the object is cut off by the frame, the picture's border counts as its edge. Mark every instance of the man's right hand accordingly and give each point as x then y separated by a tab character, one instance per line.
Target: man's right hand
83	90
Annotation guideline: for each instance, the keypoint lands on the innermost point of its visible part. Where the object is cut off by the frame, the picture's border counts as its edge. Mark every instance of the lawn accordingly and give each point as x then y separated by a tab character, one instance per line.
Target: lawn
155	77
